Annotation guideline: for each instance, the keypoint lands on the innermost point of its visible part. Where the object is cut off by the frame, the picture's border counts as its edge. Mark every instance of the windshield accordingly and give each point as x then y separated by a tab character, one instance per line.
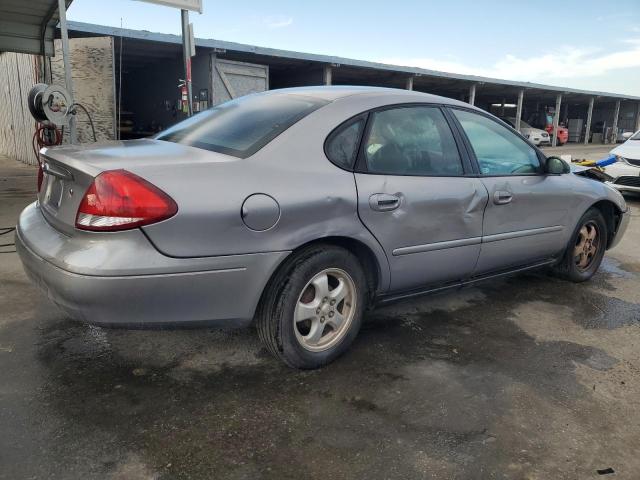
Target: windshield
242	126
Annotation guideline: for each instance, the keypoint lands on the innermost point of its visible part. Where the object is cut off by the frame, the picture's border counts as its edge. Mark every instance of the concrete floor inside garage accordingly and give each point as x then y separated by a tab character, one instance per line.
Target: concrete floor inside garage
525	377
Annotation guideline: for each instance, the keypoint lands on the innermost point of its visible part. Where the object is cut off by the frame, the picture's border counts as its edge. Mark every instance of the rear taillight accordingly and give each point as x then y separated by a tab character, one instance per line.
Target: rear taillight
120	200
40	176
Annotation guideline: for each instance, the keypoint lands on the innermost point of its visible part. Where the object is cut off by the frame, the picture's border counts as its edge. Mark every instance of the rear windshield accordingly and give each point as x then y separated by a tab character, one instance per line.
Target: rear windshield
242	126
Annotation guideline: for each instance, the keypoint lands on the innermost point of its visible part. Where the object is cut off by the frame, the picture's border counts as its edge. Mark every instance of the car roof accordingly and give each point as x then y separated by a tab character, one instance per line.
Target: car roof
331	93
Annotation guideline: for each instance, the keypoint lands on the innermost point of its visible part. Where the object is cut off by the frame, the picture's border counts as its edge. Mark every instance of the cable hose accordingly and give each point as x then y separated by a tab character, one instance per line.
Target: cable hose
89	117
42	138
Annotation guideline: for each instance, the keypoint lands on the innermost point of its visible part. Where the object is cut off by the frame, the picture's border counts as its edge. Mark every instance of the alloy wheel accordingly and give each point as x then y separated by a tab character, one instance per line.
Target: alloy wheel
587	245
325	309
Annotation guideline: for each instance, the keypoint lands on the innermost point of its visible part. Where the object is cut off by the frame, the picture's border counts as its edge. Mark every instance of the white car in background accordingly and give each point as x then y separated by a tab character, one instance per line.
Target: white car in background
626	171
534	135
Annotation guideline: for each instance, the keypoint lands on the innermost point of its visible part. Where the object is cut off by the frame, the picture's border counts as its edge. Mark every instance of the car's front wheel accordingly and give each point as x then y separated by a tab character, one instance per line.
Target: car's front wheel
312	310
586	248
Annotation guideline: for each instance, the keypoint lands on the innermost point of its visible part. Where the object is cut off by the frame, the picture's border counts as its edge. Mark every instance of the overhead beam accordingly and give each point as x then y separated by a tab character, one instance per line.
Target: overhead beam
587	131
556	120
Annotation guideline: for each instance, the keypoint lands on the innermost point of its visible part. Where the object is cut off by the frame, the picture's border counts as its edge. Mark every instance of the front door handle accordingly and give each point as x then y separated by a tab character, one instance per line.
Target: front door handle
384	202
502	197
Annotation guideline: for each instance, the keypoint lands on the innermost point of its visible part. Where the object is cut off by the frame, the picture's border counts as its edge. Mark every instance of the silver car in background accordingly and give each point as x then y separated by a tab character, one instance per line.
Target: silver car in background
298	209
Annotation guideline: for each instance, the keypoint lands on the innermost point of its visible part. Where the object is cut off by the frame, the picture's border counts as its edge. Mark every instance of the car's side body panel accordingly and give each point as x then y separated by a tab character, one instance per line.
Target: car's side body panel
122	279
530	227
316	198
434	234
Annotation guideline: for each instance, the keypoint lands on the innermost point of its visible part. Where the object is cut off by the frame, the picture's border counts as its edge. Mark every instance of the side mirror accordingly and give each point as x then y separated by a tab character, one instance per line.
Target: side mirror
556	166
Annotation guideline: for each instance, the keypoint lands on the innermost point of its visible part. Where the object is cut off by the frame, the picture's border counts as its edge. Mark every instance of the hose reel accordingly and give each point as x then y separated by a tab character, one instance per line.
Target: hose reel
50	103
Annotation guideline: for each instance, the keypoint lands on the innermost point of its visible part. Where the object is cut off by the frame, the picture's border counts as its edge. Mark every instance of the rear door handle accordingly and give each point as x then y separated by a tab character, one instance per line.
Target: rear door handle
384	202
502	197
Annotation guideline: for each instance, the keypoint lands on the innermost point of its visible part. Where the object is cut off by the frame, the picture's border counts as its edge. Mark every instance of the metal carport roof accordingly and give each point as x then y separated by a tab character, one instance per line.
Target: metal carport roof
28	26
288	55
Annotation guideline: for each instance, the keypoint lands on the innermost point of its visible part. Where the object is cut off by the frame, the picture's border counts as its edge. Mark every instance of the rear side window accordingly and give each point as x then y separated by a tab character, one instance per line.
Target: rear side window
342	144
411	141
242	126
499	151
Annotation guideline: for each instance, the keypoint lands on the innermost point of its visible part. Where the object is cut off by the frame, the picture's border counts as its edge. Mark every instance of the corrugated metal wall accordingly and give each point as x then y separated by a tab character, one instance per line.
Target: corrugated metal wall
17	76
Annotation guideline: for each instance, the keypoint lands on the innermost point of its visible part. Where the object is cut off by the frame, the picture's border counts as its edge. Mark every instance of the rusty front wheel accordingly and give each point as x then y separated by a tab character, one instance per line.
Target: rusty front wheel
586	247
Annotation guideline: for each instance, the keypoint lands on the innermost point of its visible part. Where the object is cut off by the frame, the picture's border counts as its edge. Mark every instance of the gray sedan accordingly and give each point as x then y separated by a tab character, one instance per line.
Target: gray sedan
298	209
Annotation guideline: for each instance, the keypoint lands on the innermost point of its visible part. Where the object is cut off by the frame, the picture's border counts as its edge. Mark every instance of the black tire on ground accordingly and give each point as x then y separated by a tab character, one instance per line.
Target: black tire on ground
275	315
568	267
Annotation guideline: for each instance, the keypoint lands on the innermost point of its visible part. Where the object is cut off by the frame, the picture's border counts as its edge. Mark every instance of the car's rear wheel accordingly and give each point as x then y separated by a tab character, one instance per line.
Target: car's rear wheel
312	310
586	248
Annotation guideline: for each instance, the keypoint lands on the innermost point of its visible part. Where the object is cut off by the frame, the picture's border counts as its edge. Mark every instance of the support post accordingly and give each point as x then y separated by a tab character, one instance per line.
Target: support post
519	109
504	100
587	131
472	94
556	119
327	74
186	52
637	117
614	129
64	35
409	84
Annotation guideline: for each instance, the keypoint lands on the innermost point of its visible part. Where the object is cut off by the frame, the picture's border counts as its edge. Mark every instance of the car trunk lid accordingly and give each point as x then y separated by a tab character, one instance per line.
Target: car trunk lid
70	170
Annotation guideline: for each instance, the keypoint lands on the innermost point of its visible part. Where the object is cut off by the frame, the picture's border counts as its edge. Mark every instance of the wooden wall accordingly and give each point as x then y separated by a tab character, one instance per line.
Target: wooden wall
93	74
17	76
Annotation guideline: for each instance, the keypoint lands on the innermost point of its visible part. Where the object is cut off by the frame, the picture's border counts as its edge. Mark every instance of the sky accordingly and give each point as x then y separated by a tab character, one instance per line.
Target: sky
591	45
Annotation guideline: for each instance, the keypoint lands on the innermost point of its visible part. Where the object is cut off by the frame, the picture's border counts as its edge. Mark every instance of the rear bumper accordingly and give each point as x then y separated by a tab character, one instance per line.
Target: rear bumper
113	279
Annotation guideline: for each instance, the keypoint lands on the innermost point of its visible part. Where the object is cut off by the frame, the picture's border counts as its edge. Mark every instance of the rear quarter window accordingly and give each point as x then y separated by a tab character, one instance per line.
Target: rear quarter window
242	126
341	146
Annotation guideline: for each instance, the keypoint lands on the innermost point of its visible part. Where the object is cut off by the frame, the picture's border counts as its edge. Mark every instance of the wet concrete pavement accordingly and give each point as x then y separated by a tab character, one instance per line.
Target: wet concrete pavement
526	377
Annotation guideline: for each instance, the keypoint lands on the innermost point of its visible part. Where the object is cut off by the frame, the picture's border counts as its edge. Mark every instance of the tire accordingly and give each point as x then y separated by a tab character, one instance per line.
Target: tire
297	291
580	268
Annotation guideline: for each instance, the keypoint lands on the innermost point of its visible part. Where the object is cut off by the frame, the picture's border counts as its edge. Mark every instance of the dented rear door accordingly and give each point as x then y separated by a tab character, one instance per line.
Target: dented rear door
414	197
